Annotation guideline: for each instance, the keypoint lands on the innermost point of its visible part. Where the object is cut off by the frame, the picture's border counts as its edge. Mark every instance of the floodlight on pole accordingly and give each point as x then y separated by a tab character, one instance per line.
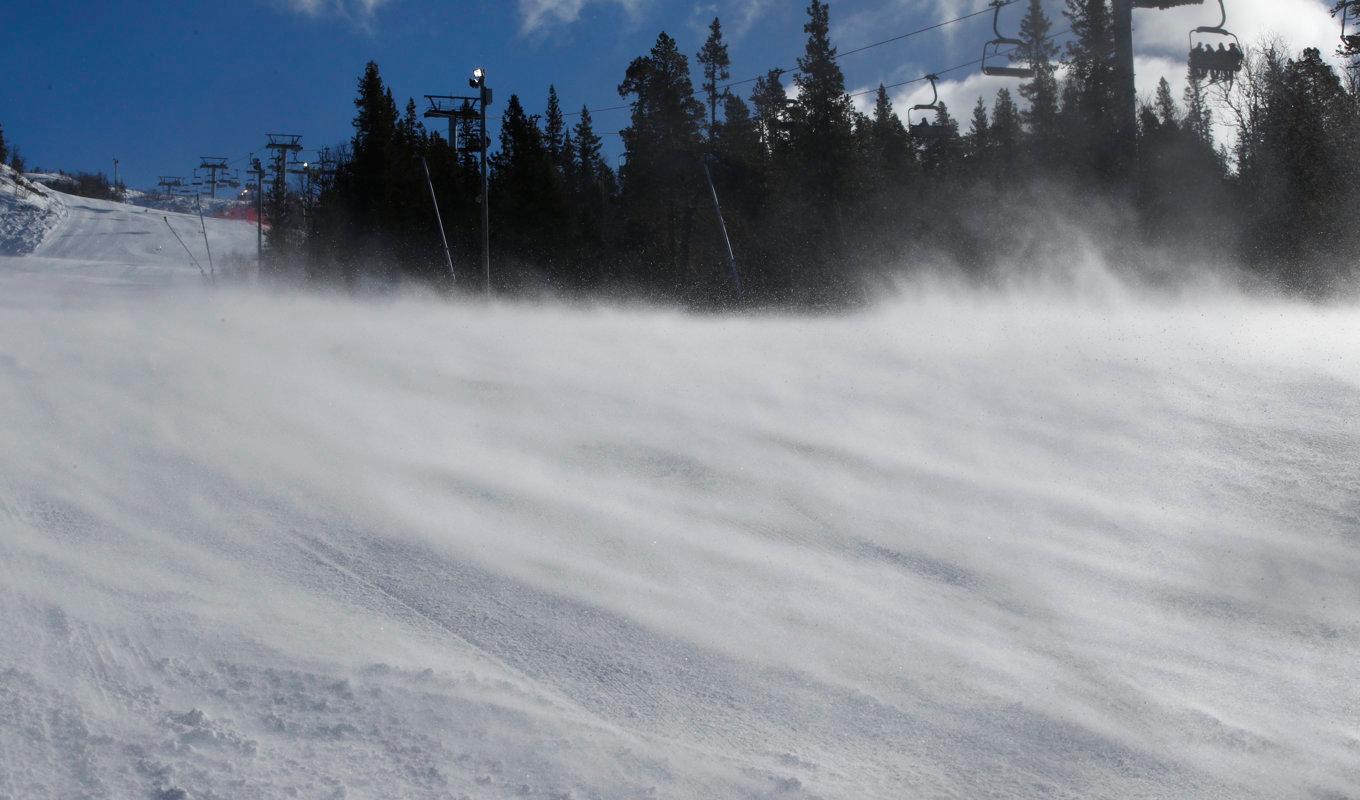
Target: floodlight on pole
471	109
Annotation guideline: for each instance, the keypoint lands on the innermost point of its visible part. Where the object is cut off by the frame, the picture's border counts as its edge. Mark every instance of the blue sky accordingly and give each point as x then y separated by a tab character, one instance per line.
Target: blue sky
158	83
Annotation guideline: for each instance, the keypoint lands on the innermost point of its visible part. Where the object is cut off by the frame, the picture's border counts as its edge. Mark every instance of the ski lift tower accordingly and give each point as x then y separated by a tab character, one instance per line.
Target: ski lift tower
213	165
455	108
170	184
283	144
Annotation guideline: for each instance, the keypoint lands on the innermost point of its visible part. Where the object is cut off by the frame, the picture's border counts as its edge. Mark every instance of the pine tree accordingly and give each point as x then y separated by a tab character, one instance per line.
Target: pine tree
979	136
525	189
891	148
4	150
1168	116
738	135
1350	43
1301	174
1006	132
1039	52
1199	117
554	128
281	237
770	102
594	184
661	178
1090	54
1091	135
821	127
372	149
716	67
937	154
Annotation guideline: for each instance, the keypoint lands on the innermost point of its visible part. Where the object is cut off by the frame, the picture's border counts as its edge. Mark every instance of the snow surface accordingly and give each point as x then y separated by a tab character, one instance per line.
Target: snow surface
29	211
258	546
106	239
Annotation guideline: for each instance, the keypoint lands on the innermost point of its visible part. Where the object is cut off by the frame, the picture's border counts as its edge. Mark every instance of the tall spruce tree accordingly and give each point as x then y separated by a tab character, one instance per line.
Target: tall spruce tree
372	150
1006	133
663	170
716	68
525	191
1039	51
1302	178
891	153
770	104
940	153
1168	116
554	129
980	137
593	185
822	126
1199	116
1094	140
4	149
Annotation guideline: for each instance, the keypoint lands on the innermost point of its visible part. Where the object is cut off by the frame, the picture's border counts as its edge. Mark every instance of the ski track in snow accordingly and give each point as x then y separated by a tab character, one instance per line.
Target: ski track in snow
258	546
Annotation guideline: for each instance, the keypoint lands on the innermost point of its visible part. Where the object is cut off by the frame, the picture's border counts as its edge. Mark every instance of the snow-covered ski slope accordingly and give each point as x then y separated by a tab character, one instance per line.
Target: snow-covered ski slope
955	546
29	211
99	238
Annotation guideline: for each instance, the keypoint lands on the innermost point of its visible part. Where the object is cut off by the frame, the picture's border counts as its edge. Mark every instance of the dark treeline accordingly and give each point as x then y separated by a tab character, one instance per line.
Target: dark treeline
10	154
820	198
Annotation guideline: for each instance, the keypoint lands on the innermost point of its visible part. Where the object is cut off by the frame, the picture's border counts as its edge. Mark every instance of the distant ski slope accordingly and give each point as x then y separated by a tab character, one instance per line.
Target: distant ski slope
122	239
956	546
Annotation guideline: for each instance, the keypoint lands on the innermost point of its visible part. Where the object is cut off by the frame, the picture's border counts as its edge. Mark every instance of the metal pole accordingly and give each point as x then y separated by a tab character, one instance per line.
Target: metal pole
486	197
259	217
212	270
186	248
438	218
722	224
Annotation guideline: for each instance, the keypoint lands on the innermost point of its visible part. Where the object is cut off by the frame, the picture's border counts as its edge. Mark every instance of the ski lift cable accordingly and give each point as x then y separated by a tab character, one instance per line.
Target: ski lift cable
891	40
938	73
898	38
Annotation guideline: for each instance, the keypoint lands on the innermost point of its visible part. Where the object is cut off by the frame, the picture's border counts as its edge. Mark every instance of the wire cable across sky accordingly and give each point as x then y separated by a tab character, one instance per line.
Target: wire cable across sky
851	52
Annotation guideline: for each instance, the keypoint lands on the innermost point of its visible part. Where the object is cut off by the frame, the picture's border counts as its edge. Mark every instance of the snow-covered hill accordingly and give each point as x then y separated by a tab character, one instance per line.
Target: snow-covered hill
69	233
260	546
29	211
255	546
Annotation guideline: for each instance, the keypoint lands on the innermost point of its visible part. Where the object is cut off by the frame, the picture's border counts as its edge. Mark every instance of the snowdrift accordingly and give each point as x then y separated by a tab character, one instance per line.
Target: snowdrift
260	547
29	211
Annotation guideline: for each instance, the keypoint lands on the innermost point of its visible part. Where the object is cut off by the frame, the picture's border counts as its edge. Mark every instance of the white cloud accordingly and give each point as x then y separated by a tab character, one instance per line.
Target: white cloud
357	9
737	17
536	15
959	95
1300	23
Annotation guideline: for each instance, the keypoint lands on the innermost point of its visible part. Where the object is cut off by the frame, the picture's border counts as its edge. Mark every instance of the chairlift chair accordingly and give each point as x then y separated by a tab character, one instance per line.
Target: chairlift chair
1347	8
1220	65
992	49
923	130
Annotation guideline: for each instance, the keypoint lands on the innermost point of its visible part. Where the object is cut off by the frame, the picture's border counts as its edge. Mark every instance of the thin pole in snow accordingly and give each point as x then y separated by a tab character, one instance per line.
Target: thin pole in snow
212	270
186	248
722	224
437	216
